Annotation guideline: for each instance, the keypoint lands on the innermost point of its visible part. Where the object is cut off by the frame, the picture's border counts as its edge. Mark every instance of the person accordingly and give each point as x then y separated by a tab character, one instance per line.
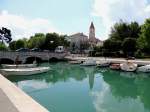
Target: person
17	60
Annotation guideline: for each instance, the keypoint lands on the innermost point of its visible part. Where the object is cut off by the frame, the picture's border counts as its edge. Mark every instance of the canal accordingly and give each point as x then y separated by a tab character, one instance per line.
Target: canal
72	88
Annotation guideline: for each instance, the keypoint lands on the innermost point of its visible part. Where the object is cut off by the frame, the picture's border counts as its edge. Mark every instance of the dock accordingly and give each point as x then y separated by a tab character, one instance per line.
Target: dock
13	99
111	60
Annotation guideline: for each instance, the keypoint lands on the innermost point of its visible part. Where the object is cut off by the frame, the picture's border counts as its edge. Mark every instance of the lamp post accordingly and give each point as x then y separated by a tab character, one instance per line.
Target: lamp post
51	42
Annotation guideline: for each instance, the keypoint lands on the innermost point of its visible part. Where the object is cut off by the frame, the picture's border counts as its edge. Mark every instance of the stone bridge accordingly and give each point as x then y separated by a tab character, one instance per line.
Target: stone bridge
24	56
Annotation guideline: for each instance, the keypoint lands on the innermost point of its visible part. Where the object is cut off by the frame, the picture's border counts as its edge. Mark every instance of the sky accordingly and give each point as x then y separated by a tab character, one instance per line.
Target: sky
27	17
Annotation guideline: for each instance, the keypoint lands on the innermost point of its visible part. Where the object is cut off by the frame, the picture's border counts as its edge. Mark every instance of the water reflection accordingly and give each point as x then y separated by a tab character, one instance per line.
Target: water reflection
112	91
61	72
90	72
128	91
121	87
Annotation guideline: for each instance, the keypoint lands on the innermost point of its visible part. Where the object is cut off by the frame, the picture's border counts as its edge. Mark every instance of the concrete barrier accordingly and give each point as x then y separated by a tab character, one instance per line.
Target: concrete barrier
14	98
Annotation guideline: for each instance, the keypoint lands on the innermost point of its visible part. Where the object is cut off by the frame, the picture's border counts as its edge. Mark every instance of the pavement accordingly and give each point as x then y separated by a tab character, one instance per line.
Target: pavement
13	99
5	104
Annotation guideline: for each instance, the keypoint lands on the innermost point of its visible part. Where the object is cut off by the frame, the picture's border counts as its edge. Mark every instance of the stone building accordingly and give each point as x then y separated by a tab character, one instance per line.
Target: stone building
80	40
77	41
93	41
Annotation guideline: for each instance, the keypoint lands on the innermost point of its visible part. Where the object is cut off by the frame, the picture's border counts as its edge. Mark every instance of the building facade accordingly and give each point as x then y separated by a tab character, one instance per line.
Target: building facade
80	41
93	41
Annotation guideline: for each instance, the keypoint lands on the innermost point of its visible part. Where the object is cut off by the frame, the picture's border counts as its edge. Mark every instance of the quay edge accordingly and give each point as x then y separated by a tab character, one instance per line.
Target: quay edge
17	100
111	60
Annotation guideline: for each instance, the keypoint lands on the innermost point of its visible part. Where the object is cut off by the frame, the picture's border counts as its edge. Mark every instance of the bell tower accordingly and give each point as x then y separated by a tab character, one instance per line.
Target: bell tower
92	33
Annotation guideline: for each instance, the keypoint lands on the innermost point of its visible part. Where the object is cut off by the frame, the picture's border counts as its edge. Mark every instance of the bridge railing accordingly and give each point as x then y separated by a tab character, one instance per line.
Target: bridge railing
43	55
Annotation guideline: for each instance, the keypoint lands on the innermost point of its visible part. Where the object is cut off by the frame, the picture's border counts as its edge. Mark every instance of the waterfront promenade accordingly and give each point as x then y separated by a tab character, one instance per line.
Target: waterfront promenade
111	60
13	99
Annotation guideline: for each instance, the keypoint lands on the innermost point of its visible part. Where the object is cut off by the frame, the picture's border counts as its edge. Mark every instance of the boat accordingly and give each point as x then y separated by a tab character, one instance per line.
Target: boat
145	68
75	62
103	64
128	66
89	62
115	66
11	66
24	71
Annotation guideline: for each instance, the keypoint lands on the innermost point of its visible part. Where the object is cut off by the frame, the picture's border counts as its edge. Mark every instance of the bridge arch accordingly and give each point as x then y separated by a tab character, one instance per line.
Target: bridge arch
6	61
33	58
24	56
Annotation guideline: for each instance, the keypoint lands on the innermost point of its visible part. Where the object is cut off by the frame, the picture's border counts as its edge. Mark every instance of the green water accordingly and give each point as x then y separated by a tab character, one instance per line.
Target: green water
71	88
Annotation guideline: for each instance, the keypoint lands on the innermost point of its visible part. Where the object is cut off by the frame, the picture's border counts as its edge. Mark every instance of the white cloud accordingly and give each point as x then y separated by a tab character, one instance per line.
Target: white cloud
111	11
34	84
108	100
25	27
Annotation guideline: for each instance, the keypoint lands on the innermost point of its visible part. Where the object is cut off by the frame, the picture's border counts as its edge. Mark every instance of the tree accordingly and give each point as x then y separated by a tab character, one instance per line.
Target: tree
120	31
144	40
129	46
112	45
63	41
25	40
123	30
20	44
3	47
5	35
119	36
36	41
51	41
44	42
134	30
12	45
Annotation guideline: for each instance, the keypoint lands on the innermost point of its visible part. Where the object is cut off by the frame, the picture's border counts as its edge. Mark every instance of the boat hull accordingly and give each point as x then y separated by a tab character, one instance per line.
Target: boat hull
145	69
103	65
6	66
75	62
115	66
89	63
128	67
25	71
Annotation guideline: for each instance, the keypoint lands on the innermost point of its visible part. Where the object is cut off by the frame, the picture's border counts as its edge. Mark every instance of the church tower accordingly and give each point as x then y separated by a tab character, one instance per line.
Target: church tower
92	33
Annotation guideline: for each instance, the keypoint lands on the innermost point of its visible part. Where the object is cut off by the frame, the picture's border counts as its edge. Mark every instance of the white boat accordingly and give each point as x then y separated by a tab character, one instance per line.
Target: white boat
18	66
24	71
145	68
89	62
128	66
103	64
75	62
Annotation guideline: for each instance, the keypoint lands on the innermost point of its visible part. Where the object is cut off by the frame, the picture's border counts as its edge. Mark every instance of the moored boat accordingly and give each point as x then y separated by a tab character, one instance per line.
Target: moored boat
128	66
145	68
89	62
18	66
103	64
24	71
115	66
75	62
